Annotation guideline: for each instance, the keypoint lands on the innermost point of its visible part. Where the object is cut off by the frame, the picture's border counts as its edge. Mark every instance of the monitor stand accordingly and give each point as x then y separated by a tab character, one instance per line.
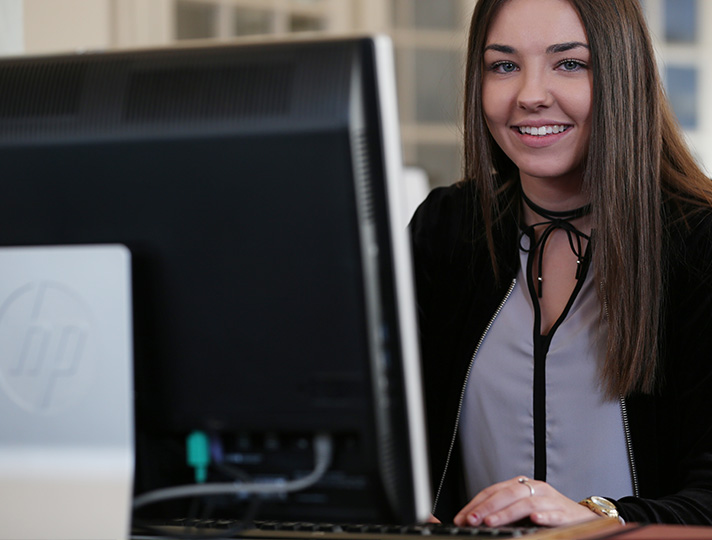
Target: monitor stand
66	393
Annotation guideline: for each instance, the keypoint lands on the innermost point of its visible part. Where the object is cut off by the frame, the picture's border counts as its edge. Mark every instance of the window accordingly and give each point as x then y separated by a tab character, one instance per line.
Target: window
249	21
682	88
426	14
195	20
680	21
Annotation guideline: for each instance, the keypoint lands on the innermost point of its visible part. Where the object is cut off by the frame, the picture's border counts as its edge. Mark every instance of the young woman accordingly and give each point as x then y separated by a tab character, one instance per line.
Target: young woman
565	285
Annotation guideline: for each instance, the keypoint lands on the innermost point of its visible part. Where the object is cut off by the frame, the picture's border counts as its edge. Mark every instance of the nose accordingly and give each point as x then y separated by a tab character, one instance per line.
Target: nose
534	92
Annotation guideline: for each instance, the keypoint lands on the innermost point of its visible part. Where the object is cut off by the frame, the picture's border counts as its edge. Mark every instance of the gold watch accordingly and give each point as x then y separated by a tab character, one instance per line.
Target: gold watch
601	507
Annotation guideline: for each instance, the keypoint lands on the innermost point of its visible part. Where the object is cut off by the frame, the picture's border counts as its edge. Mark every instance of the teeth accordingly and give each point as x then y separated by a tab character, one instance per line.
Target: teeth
544	130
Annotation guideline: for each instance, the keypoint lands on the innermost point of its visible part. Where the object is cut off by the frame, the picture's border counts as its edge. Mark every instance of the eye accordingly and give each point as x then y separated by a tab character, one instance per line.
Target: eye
571	65
503	67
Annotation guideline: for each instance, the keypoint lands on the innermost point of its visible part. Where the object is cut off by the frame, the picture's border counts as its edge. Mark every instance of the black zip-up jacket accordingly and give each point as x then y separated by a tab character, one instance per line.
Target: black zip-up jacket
671	431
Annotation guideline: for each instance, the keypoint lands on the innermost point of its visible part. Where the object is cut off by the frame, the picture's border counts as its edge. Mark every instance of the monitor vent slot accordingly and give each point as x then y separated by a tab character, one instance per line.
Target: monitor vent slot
194	93
41	90
364	180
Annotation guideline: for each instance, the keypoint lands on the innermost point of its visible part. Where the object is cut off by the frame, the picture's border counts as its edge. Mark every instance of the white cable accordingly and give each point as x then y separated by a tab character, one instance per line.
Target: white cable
322	461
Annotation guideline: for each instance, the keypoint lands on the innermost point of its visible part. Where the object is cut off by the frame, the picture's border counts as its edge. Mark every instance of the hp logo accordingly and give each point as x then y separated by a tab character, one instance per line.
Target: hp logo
45	347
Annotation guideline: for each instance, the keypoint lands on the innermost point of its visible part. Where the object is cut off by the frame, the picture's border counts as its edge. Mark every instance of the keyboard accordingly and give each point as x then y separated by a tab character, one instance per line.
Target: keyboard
281	530
366	530
196	528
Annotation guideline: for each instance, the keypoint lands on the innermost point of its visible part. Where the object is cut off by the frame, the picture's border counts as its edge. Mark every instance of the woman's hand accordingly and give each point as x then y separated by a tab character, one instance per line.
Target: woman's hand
518	498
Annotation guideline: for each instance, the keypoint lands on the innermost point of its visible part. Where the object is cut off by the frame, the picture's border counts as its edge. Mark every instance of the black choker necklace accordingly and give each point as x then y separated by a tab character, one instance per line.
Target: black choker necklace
553	214
557	220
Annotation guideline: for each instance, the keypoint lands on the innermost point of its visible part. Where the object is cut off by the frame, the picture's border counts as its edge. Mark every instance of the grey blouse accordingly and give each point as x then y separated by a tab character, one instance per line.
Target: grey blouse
585	444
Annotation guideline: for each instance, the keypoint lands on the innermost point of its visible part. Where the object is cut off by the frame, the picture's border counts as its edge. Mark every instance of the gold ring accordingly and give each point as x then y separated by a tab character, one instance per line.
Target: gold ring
525	481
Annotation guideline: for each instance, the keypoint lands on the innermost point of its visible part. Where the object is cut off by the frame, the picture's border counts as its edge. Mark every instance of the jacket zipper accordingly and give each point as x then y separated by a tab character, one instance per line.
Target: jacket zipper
464	387
629	447
624	417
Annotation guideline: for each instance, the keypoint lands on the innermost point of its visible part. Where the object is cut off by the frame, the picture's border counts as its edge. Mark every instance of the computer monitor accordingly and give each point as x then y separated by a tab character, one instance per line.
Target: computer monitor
256	187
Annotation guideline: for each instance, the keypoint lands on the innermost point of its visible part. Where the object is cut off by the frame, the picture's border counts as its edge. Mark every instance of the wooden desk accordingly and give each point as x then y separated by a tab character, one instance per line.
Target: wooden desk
662	532
612	530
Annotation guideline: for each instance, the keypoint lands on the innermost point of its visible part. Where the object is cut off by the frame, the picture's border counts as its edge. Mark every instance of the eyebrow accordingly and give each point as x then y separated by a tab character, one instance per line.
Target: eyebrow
563	47
551	49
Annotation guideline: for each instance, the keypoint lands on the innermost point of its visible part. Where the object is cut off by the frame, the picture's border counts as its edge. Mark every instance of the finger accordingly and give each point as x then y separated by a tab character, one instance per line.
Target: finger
505	495
461	518
469	513
516	511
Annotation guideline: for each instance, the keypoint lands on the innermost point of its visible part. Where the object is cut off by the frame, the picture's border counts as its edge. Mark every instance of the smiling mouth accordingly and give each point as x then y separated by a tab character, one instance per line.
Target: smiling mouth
542	131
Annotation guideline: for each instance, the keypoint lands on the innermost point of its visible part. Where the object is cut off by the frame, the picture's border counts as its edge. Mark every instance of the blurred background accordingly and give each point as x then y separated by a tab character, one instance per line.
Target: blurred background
429	38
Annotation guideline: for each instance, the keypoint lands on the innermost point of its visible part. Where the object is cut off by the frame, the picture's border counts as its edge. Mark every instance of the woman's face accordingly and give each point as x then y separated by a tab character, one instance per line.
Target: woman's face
537	89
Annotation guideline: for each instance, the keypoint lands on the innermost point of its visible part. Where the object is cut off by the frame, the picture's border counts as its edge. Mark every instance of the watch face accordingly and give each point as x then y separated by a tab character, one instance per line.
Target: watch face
602	507
604	504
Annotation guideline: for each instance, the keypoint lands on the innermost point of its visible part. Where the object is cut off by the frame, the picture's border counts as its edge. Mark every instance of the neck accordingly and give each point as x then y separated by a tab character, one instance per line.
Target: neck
554	197
558	194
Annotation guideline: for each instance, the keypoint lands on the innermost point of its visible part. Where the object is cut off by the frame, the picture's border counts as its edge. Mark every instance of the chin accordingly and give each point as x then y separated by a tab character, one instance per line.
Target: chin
547	172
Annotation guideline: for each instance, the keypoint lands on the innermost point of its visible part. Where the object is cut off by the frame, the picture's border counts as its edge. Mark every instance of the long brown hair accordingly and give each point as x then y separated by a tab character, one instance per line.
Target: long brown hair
636	159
